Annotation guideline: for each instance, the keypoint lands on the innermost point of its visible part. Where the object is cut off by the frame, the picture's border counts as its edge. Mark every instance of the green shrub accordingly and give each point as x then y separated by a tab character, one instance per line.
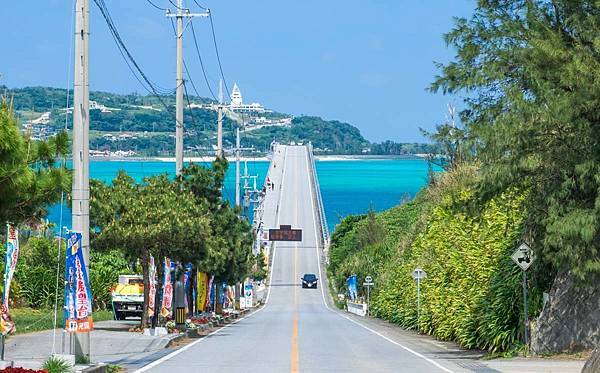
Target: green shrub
105	269
472	294
56	365
36	272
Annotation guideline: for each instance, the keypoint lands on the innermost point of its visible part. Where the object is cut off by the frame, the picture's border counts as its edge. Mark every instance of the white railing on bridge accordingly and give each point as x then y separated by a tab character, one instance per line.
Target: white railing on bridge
319	200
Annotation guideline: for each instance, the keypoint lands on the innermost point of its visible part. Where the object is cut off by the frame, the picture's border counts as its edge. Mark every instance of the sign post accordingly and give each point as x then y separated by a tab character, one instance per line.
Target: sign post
524	257
418	274
368	283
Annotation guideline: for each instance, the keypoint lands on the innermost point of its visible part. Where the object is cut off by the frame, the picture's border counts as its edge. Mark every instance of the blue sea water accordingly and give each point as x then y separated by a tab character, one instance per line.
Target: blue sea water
347	187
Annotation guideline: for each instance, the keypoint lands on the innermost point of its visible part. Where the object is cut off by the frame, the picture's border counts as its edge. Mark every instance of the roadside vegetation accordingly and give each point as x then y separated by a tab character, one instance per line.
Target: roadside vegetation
184	219
522	164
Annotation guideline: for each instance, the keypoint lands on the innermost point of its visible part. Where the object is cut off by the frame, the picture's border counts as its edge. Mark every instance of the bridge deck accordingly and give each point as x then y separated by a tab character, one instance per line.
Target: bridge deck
296	330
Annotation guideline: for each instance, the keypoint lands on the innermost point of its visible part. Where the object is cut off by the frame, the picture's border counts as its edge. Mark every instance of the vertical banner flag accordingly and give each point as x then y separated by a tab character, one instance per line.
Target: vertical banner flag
186	284
248	294
7	326
211	293
78	294
152	289
352	290
203	290
167	298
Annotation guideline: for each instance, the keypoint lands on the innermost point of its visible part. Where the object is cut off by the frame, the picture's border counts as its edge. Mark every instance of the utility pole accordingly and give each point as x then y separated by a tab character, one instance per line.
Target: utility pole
179	15
81	127
220	121
237	166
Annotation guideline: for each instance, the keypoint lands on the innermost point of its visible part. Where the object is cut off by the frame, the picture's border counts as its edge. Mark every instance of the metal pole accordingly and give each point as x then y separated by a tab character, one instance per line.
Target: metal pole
368	300
179	93
418	302
237	167
220	121
81	126
526	312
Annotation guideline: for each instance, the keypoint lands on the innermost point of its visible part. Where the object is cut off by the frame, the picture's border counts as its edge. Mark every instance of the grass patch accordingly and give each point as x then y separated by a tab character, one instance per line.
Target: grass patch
30	320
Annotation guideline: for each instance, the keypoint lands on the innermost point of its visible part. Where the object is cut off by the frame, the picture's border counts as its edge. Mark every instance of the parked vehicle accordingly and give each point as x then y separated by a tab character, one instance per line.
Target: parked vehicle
128	297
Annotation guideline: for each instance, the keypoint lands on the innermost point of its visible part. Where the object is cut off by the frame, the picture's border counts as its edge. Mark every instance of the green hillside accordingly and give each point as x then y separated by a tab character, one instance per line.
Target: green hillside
149	126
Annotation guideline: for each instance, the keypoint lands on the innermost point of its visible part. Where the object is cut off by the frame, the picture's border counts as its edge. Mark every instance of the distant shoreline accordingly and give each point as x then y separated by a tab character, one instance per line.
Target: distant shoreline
323	158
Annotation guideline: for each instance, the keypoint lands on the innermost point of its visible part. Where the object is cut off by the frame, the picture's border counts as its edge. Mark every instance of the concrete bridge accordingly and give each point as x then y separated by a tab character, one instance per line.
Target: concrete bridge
297	329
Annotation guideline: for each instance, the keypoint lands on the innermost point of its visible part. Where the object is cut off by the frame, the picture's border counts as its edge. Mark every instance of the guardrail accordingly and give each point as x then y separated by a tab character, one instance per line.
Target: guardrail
319	199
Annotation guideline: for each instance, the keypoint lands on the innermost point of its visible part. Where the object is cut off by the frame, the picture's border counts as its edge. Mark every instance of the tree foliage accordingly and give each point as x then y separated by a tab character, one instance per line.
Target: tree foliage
30	179
530	71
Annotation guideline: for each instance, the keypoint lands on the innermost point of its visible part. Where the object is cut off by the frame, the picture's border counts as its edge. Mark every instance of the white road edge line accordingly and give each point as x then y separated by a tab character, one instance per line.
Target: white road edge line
186	347
278	217
433	362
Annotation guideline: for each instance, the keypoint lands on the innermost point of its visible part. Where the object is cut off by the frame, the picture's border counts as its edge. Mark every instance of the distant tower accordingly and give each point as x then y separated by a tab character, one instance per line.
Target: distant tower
236	96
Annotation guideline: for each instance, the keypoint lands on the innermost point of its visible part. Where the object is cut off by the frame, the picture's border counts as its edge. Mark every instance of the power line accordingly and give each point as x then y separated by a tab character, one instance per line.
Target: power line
126	54
204	159
212	27
175	5
156	6
200	6
202	62
144	81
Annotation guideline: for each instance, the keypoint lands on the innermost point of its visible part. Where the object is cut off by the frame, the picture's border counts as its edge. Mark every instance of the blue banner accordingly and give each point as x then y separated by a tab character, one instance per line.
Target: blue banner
7	325
352	289
187	275
78	294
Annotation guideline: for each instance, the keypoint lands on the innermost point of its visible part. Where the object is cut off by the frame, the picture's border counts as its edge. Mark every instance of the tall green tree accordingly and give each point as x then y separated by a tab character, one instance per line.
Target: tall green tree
156	218
530	72
230	257
30	177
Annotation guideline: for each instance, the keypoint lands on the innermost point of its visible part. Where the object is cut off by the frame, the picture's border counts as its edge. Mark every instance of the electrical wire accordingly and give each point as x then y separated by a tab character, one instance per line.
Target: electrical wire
204	159
212	27
202	62
175	5
200	6
62	193
156	6
132	64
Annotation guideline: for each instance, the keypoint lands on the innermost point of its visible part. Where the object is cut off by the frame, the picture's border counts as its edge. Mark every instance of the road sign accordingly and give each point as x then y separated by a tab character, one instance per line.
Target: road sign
523	256
285	233
419	274
368	280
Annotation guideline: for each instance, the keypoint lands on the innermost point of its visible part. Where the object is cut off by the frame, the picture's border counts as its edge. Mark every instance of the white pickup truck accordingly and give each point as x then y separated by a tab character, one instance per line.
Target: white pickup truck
128	297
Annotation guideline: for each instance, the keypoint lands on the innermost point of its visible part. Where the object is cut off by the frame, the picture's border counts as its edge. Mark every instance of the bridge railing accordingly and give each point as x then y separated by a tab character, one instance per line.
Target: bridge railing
319	199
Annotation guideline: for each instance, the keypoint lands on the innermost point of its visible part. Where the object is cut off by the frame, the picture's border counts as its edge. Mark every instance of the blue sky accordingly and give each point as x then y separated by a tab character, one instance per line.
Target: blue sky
367	63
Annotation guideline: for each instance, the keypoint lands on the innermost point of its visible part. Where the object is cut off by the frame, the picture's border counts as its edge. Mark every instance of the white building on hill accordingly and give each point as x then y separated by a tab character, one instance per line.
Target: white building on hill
237	103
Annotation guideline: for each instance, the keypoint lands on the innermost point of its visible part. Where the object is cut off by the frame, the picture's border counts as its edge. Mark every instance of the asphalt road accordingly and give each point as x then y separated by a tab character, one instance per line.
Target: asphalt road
296	331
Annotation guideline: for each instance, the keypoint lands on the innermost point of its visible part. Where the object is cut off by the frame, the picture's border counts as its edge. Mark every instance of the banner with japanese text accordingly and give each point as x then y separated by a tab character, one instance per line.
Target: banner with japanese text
78	293
203	290
7	326
167	293
152	288
187	276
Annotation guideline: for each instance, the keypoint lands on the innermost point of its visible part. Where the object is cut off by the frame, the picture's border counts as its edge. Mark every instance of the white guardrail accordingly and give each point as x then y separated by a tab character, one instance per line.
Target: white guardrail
321	214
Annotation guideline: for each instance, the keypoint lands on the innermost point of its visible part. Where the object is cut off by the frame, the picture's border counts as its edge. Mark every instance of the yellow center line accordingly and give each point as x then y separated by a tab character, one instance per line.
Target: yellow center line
295	356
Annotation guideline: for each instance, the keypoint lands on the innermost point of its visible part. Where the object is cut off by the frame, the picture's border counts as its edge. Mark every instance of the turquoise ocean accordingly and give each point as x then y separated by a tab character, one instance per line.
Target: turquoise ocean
347	186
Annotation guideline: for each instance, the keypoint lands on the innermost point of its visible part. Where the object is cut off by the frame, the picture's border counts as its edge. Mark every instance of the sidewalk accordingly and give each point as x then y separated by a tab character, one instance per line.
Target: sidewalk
111	343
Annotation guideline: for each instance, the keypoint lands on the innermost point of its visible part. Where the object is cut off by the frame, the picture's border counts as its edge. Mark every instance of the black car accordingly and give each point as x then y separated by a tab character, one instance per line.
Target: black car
309	280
